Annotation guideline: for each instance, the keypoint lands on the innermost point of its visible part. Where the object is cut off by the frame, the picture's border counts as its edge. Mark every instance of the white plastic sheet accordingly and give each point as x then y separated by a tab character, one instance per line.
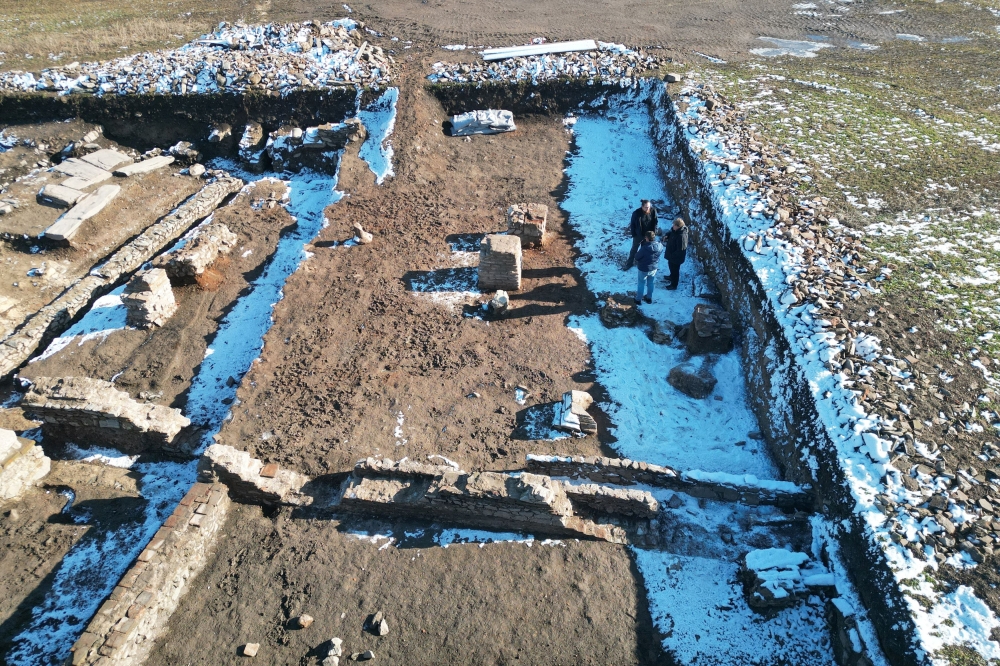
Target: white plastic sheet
484	121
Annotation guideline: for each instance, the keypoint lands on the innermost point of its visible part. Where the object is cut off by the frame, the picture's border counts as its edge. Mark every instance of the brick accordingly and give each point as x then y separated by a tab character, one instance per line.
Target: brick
269	471
135	611
155	544
144	597
147	555
170	522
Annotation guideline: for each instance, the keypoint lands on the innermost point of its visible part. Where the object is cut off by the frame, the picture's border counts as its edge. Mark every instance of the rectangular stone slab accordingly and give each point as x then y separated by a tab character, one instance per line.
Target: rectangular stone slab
145	166
59	195
77	168
69	222
106	159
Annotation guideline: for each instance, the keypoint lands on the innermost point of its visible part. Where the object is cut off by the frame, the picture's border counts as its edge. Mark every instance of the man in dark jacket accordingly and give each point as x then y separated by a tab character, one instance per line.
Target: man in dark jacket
643	220
676	241
647	259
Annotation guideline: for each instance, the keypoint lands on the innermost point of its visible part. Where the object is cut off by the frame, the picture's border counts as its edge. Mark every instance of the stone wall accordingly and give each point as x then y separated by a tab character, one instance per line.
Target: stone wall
48	322
22	464
500	263
198	253
491	500
250	480
128	623
90	411
720	487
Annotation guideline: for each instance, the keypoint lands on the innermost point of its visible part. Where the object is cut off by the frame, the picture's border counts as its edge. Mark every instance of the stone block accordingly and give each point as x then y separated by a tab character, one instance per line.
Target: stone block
149	299
22	464
500	263
199	253
68	224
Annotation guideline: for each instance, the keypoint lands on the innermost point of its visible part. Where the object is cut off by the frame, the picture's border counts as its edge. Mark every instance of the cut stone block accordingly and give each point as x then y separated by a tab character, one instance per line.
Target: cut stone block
527	221
69	222
59	195
711	330
145	166
107	159
22	464
199	253
82	174
500	263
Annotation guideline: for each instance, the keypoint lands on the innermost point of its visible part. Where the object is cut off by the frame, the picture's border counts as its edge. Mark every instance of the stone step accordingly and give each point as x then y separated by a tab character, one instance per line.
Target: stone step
69	222
145	166
107	159
59	195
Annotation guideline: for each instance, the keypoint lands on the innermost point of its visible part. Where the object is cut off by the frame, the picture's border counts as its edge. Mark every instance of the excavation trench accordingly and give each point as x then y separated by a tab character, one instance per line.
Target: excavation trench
626	145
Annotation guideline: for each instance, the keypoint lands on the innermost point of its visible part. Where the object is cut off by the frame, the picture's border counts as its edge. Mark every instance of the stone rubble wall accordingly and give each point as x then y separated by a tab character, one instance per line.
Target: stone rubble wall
493	500
149	299
251	481
613	501
627	472
527	222
22	464
125	628
57	315
198	254
85	410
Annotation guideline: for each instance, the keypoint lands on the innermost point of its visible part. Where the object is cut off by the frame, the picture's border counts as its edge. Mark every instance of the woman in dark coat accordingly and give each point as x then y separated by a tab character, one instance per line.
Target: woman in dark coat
675	242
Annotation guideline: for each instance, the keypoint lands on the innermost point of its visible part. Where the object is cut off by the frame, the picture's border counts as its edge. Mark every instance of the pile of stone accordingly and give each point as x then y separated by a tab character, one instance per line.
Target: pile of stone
186	264
694	381
149	299
22	464
570	415
710	331
610	62
778	578
527	222
90	411
235	58
252	146
487	500
500	263
291	148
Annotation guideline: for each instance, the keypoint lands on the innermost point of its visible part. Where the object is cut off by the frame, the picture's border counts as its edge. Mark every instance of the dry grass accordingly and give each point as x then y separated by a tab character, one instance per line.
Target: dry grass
35	34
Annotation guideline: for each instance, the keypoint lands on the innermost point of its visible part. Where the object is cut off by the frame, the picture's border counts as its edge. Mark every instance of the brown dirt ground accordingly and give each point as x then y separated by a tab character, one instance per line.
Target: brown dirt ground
578	603
333	377
164	360
33	545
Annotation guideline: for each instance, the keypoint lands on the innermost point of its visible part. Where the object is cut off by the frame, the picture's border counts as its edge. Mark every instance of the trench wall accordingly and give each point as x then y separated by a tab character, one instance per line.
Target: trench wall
126	626
145	121
792	428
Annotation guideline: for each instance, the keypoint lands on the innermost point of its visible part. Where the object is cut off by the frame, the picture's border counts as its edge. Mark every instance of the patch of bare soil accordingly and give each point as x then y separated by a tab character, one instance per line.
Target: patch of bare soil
360	347
507	603
76	500
162	361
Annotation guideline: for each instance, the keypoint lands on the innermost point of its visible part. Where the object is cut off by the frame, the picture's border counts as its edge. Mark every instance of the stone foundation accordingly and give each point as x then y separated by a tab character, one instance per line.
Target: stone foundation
200	252
22	465
527	222
90	411
126	626
149	299
714	486
500	263
251	481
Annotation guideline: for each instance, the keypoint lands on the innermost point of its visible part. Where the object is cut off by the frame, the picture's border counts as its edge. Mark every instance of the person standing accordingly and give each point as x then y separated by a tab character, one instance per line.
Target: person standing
676	242
643	220
647	260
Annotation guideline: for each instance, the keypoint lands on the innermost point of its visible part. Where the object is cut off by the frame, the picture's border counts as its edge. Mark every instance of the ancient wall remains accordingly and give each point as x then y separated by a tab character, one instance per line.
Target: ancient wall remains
22	464
90	411
500	263
124	629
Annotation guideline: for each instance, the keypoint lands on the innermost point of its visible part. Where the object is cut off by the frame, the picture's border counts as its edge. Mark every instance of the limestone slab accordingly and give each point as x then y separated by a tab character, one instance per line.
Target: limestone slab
59	195
107	159
68	224
83	174
145	166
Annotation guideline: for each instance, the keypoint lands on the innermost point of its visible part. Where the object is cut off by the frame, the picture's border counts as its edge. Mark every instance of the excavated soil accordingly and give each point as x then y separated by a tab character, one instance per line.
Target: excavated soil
39	528
565	603
356	350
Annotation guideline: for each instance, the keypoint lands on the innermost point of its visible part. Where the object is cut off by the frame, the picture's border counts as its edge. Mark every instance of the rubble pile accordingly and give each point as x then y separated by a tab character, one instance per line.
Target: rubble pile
198	254
235	58
778	578
149	299
527	222
611	62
